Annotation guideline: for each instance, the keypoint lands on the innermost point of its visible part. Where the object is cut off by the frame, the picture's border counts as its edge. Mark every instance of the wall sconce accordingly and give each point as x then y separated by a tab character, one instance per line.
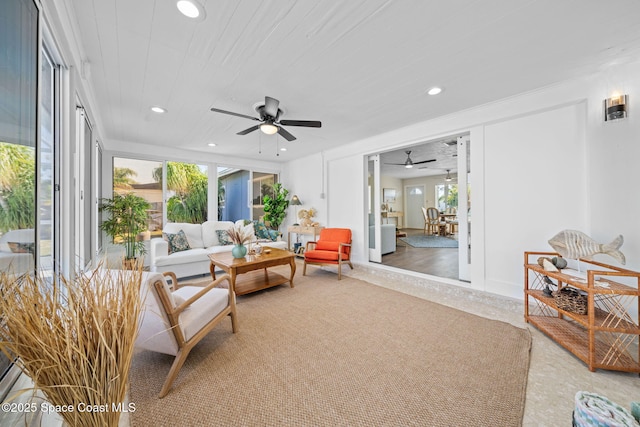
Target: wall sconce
615	107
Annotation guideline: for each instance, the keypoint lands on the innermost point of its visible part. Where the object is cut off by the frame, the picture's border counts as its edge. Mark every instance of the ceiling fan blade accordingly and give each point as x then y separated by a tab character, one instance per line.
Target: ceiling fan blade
246	131
217	110
305	123
282	131
424	161
271	106
397	164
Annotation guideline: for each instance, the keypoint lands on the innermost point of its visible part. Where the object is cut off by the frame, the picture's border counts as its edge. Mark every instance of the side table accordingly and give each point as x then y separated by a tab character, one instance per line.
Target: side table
299	229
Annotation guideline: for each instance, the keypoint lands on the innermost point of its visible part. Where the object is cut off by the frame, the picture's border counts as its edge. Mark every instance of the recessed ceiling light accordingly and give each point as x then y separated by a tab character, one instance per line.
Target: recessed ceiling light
191	9
434	90
283	149
211	144
158	110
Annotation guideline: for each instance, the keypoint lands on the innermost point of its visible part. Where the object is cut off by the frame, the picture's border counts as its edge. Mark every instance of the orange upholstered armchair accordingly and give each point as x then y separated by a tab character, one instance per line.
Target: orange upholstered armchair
333	247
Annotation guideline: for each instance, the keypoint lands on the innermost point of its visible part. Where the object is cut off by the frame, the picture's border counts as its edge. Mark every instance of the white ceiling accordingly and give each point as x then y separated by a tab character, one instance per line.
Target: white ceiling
362	67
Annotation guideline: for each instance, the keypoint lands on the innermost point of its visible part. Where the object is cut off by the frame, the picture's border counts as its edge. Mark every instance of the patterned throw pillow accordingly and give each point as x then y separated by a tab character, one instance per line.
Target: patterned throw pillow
262	232
273	235
177	242
223	237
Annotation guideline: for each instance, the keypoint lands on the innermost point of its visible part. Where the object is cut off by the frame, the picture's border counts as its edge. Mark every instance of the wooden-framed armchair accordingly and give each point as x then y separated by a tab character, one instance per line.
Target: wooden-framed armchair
175	318
333	247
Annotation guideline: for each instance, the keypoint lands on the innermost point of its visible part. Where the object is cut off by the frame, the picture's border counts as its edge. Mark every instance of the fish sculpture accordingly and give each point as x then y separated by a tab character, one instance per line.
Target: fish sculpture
575	245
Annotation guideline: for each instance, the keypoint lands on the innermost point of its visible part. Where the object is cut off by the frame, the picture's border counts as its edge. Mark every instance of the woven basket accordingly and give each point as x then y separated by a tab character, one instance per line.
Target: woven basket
569	299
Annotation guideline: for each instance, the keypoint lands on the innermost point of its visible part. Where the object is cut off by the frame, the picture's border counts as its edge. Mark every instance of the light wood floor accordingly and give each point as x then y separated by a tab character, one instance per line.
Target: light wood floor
441	262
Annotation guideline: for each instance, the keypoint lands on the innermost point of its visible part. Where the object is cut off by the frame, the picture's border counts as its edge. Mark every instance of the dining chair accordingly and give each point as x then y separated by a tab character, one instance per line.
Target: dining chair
431	220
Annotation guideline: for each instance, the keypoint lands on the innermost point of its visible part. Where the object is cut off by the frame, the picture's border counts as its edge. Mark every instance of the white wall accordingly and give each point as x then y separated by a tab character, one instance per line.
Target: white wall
613	169
534	188
346	192
564	168
304	179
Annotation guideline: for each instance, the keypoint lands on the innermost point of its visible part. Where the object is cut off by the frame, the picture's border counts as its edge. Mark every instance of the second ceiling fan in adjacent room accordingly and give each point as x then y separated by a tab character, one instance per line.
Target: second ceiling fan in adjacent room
409	163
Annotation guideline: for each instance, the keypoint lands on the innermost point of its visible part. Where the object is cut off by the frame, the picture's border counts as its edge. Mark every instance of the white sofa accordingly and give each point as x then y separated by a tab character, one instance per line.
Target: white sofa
16	262
203	240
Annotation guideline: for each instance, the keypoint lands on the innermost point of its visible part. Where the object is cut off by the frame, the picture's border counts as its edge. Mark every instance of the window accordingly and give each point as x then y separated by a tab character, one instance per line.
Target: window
233	185
446	196
142	178
262	186
187	187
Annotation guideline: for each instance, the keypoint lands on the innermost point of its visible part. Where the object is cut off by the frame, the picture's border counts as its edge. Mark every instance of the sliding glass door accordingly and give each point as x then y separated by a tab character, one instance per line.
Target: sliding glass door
18	134
19	142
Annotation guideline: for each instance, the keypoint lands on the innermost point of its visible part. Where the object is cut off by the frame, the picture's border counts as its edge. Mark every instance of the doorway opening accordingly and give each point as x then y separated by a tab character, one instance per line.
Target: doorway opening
431	174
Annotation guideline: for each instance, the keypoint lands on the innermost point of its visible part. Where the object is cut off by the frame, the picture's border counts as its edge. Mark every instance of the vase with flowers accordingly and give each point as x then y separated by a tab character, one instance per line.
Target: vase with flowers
239	235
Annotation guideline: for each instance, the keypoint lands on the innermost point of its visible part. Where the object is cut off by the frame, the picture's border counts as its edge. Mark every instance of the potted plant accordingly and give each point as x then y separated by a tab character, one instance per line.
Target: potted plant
128	218
239	235
275	207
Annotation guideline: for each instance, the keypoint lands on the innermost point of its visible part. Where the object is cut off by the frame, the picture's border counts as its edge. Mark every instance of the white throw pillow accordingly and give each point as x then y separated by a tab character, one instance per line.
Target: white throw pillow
209	235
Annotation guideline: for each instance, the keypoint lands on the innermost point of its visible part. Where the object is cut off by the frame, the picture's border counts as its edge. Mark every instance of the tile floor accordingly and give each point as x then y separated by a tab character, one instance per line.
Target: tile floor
555	375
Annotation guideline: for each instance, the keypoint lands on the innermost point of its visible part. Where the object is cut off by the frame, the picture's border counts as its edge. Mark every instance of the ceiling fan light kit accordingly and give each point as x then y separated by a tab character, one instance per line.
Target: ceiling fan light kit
268	128
270	117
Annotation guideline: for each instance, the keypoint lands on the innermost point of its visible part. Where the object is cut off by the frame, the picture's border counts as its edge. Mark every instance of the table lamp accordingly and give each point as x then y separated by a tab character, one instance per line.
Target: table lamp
296	202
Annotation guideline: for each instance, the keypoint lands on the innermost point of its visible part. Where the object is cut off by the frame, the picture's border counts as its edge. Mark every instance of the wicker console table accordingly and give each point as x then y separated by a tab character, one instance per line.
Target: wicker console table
608	335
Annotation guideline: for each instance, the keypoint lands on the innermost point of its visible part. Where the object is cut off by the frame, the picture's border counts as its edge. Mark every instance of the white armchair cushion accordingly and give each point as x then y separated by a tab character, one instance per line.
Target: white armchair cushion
155	330
202	310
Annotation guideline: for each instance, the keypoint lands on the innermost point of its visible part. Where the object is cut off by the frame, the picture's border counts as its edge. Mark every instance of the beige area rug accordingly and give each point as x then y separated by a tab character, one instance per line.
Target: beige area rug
341	353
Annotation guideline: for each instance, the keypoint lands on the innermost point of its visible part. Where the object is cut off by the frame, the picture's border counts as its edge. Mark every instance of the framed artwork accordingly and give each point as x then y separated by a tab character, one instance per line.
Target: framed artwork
389	195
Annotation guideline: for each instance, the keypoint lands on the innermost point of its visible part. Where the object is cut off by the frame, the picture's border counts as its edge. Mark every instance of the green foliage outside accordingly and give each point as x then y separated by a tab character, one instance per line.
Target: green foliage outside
452	196
17	187
128	218
221	198
275	207
189	204
122	178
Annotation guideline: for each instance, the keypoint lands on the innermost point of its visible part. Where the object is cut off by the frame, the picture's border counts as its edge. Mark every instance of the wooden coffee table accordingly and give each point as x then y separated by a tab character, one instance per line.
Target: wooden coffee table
250	274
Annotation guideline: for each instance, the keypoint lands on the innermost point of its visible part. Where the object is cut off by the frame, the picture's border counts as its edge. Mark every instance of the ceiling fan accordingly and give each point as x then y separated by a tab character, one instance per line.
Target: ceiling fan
409	163
270	117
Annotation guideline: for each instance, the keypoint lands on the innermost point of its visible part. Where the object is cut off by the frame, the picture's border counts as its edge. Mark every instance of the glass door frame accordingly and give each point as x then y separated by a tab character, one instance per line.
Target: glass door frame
373	191
464	235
